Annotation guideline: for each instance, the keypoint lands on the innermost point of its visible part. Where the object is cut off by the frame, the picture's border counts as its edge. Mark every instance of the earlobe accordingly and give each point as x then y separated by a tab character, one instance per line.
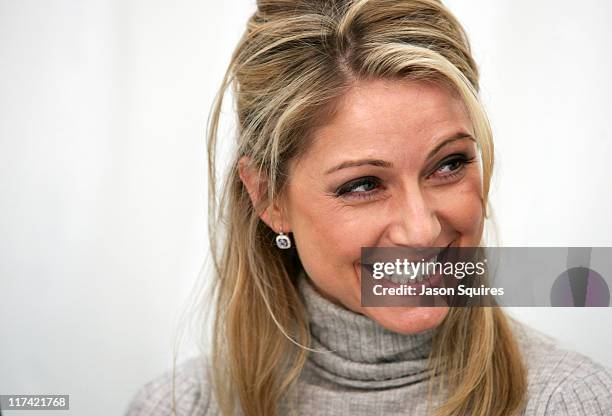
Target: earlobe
273	216
256	188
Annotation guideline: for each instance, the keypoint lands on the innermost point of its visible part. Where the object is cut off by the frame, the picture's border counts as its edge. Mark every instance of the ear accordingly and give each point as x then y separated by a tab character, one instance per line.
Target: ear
256	187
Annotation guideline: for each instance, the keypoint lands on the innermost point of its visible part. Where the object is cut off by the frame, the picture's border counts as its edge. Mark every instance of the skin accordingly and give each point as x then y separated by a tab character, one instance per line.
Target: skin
412	201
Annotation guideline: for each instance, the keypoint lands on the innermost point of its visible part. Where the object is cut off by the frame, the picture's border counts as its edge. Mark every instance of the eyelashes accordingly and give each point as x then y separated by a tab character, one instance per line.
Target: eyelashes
458	162
368	186
370	182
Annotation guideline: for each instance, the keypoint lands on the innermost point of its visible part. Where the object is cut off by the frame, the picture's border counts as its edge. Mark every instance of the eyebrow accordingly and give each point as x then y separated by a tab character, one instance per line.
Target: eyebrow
385	164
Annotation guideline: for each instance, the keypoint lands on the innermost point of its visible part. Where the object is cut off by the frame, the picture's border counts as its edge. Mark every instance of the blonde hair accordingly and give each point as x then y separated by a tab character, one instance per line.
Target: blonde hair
295	60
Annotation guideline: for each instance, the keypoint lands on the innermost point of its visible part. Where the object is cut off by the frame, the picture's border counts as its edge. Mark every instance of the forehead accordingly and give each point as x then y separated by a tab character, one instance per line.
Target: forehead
389	116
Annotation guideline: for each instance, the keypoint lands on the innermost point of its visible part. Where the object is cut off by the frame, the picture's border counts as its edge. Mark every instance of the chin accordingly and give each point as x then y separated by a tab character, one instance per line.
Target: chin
407	320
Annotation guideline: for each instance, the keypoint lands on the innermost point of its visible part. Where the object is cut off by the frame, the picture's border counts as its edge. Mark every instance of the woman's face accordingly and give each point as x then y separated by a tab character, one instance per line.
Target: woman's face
396	166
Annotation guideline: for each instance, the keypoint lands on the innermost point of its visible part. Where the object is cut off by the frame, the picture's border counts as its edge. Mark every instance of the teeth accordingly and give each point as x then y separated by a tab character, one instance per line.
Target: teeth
410	278
401	279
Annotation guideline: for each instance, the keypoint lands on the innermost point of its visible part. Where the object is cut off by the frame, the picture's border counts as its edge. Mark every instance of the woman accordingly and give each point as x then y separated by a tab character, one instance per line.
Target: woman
359	126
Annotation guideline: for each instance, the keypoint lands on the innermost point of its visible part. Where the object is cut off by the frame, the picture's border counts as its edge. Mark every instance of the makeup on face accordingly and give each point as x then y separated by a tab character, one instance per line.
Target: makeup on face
397	166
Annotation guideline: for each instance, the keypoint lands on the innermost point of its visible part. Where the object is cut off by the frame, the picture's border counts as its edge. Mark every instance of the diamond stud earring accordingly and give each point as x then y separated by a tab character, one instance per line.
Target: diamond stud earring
283	241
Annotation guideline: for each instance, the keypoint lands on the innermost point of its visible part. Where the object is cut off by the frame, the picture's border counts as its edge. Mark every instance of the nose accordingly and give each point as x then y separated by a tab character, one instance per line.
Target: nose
413	222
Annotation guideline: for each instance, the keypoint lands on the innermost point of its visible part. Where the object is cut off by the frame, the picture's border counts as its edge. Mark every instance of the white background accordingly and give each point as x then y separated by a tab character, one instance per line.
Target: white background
103	107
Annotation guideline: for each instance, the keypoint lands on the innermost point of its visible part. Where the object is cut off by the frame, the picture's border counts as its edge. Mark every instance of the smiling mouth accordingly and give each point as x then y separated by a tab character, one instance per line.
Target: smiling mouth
425	274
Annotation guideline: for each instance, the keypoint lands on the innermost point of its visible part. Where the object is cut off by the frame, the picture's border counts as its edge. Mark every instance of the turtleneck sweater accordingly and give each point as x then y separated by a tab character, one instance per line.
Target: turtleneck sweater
359	367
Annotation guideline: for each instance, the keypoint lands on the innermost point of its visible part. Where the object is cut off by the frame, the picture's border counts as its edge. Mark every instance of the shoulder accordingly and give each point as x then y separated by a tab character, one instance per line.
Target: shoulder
561	381
189	385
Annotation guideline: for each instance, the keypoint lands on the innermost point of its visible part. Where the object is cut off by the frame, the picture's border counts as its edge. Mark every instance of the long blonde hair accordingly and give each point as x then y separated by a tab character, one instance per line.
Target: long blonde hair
294	61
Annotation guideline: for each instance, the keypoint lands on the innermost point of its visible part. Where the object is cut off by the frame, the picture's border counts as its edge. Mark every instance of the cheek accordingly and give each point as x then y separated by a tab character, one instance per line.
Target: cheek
465	212
324	233
328	246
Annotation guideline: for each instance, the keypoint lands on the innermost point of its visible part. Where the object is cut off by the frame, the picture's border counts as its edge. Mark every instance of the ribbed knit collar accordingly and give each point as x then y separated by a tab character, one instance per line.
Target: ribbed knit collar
357	351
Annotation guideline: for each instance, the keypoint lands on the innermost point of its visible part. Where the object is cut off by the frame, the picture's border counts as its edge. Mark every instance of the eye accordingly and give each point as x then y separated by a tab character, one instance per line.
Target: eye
359	188
452	166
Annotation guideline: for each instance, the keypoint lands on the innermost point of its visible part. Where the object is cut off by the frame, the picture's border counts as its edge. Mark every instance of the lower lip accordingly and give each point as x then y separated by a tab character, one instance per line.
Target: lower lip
432	281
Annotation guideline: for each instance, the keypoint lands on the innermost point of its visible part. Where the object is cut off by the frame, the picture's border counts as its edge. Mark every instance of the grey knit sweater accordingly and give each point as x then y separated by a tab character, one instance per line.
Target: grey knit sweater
369	370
